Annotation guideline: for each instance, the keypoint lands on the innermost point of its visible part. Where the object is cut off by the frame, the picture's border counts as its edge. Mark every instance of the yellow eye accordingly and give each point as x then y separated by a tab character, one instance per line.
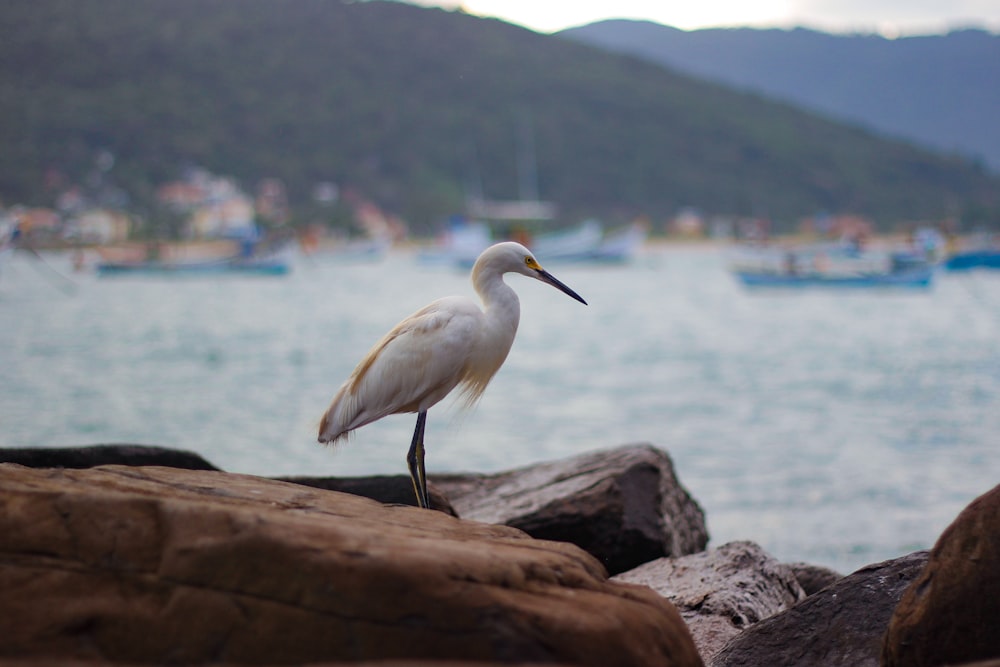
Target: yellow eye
530	261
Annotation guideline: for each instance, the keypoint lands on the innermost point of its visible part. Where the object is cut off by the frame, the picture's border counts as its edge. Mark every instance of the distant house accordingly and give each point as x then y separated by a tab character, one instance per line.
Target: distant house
272	201
215	206
99	226
232	217
38	224
181	195
688	222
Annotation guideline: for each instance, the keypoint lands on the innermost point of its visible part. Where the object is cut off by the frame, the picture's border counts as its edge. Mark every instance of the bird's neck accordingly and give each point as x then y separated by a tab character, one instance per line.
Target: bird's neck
500	302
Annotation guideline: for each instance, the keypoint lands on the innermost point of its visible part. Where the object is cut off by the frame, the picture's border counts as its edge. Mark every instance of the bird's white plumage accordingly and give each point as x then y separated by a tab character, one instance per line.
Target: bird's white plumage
450	343
413	367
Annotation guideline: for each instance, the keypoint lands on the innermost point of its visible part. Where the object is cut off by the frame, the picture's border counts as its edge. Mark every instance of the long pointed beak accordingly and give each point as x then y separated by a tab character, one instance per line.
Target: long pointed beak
547	277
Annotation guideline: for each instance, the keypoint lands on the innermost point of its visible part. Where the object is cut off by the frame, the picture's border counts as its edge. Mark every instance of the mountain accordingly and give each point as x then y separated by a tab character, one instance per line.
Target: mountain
942	91
412	107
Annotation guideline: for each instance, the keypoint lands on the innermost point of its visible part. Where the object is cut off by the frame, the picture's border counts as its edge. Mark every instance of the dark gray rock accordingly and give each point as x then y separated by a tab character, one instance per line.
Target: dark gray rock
98	455
841	625
721	592
814	578
951	613
387	489
624	506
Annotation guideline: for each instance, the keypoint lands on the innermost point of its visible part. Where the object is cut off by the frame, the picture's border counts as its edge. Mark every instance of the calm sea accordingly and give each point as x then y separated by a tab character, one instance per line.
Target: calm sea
830	427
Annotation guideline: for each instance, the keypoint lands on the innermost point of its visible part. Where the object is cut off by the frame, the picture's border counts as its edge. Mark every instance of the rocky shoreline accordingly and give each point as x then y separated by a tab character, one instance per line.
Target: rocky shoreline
127	554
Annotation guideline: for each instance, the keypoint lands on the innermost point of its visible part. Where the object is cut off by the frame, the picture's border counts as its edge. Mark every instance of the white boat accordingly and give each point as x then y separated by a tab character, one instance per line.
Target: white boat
530	220
460	245
368	249
248	256
585	242
570	244
621	245
830	265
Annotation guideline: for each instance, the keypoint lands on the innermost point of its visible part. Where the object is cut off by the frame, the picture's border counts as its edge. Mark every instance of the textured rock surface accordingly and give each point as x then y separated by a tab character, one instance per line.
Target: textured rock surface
814	578
388	489
624	505
162	565
951	613
840	626
721	592
100	455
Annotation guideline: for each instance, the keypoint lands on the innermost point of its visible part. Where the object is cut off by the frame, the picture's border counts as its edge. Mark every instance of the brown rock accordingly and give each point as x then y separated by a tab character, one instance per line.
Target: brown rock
377	663
625	506
951	613
389	489
840	626
721	592
161	565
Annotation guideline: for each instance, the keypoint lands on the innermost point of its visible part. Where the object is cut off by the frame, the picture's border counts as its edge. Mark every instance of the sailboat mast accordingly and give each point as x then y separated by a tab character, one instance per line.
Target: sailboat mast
527	167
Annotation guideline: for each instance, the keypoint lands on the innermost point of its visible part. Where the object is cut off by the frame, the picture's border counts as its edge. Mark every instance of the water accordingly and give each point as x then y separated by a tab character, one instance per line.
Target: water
835	428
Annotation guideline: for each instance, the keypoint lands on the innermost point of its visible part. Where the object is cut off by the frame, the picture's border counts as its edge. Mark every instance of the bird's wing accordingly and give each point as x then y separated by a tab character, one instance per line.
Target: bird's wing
413	367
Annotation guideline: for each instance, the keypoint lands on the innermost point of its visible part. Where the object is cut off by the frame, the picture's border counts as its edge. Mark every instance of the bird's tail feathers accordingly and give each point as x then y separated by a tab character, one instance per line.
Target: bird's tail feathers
328	433
332	428
342	417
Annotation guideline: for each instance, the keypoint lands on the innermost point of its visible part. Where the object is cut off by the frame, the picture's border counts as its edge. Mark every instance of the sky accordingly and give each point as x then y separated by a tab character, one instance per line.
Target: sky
891	18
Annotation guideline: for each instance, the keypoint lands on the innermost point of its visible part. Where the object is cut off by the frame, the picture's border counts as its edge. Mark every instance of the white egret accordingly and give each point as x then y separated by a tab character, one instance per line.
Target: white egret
448	343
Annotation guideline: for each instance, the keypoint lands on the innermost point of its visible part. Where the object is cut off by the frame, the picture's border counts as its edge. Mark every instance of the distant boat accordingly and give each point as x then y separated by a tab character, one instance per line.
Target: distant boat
267	265
161	259
460	244
621	245
983	258
834	266
530	221
590	243
367	249
920	278
586	242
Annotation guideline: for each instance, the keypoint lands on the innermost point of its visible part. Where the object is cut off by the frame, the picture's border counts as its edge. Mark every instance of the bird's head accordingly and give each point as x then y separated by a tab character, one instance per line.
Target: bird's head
511	257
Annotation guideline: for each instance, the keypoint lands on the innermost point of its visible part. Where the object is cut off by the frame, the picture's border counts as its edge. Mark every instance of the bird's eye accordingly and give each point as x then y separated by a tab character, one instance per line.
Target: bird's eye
530	261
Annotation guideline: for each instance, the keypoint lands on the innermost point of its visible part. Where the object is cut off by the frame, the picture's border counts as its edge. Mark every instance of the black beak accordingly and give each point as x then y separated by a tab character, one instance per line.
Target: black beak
547	277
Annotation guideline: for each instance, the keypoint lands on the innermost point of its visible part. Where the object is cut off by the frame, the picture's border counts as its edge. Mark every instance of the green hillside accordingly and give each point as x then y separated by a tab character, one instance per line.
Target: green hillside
410	106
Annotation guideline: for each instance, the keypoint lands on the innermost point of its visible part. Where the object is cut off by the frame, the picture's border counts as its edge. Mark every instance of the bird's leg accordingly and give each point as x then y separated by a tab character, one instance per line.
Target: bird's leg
415	462
423	473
